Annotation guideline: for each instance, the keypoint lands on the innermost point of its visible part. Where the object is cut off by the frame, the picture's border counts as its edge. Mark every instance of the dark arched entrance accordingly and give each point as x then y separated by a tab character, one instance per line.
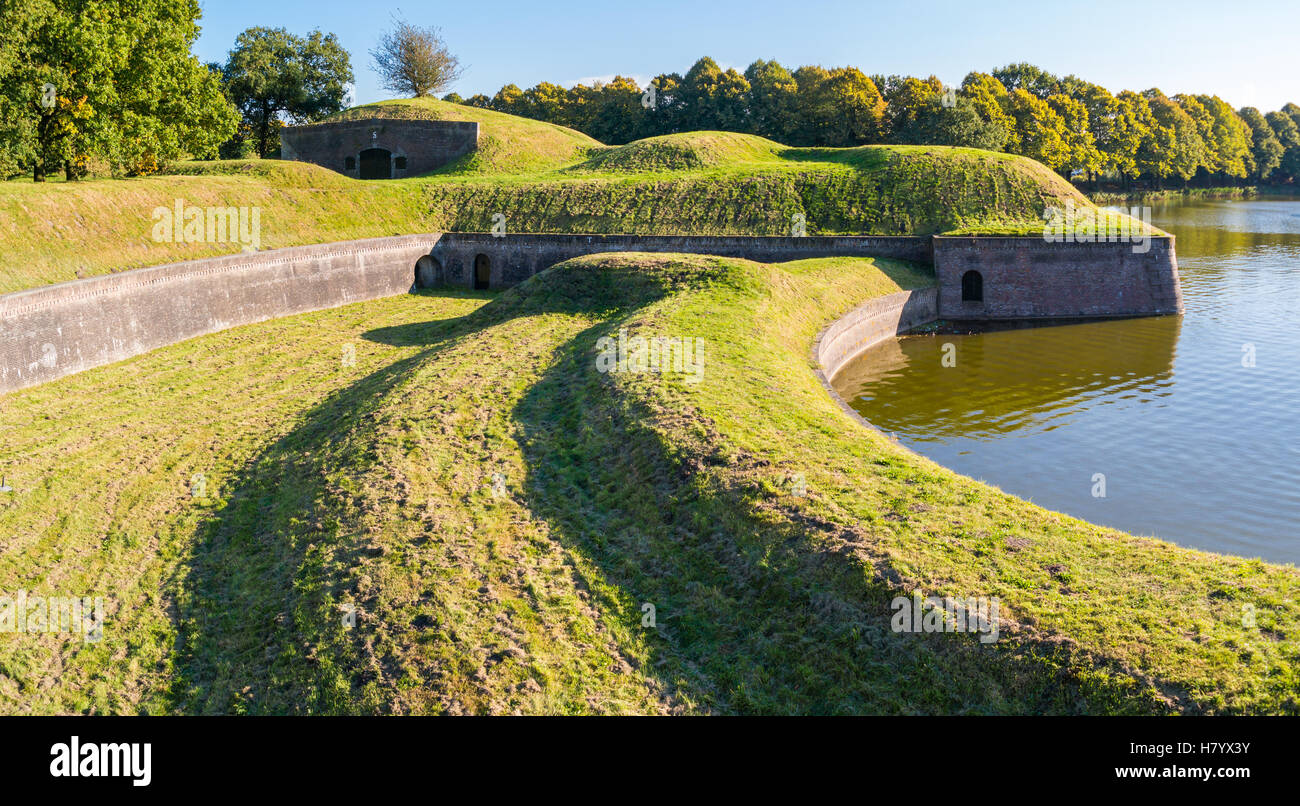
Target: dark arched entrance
972	287
376	163
428	272
482	273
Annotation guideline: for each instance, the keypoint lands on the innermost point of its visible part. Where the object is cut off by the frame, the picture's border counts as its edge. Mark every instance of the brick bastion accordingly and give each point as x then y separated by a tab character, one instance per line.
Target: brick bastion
49	332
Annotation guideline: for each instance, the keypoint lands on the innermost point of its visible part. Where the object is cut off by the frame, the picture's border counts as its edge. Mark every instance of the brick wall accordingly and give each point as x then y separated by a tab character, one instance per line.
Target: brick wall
425	144
515	258
1029	278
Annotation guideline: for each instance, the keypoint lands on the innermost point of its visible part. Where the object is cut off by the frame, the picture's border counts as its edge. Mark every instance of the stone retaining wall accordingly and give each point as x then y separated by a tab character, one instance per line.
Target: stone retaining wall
49	332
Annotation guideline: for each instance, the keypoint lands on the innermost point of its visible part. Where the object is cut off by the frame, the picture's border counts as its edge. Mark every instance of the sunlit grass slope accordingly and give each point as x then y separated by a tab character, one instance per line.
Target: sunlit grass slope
542	178
472	518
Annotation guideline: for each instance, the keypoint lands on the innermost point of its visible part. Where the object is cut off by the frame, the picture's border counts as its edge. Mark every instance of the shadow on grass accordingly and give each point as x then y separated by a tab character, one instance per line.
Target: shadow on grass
260	630
760	609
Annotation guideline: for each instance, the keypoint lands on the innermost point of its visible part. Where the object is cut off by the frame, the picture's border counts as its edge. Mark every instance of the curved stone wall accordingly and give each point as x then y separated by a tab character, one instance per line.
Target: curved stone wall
49	332
866	326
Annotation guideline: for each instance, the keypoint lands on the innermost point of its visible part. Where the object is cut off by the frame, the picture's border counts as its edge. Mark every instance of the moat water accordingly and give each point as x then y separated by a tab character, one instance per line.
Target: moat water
1194	445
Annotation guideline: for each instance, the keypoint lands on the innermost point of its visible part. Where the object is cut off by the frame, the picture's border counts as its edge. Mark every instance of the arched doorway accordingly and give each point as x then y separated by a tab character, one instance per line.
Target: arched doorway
482	273
972	287
428	272
376	163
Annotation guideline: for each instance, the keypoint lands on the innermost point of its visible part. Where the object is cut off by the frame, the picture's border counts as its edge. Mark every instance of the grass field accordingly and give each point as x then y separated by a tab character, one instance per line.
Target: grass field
542	178
470	518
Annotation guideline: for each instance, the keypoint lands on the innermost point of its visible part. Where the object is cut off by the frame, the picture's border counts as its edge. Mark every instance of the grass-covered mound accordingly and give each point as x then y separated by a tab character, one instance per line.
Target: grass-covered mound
690	151
493	514
542	178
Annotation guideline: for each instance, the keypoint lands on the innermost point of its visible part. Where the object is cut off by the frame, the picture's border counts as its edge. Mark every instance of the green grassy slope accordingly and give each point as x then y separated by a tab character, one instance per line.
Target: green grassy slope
543	178
496	513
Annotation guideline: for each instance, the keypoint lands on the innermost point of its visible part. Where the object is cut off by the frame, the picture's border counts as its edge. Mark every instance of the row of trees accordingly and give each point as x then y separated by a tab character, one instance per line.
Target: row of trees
1074	126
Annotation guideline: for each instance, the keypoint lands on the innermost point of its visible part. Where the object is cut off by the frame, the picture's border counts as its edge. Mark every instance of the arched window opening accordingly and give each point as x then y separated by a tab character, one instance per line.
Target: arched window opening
972	287
482	273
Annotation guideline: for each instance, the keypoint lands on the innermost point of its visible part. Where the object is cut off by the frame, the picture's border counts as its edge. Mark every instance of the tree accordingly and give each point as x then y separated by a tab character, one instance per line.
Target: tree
1110	121
1134	125
618	115
414	61
905	97
987	98
958	125
1174	147
1030	78
1226	135
82	81
1265	149
839	107
773	100
510	99
1288	134
272	75
712	98
1039	131
1081	148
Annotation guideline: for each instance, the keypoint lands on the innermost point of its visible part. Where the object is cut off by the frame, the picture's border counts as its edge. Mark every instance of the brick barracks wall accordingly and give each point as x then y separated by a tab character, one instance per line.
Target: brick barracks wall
425	144
49	332
1029	278
514	258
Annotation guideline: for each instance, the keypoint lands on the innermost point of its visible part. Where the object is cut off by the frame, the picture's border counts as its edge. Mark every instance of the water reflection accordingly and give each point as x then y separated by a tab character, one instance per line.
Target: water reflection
1196	446
1012	380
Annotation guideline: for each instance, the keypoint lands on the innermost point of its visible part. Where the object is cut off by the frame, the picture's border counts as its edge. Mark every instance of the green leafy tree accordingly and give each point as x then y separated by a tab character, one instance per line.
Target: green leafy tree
987	97
1288	134
773	100
1228	140
958	125
1265	149
1175	147
713	98
510	99
273	76
414	61
1039	131
839	107
619	115
905	98
1081	147
1134	125
1111	123
109	81
1030	78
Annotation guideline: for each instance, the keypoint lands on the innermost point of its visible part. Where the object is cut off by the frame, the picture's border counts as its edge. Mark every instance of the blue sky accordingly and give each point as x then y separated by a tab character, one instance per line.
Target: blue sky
1247	52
